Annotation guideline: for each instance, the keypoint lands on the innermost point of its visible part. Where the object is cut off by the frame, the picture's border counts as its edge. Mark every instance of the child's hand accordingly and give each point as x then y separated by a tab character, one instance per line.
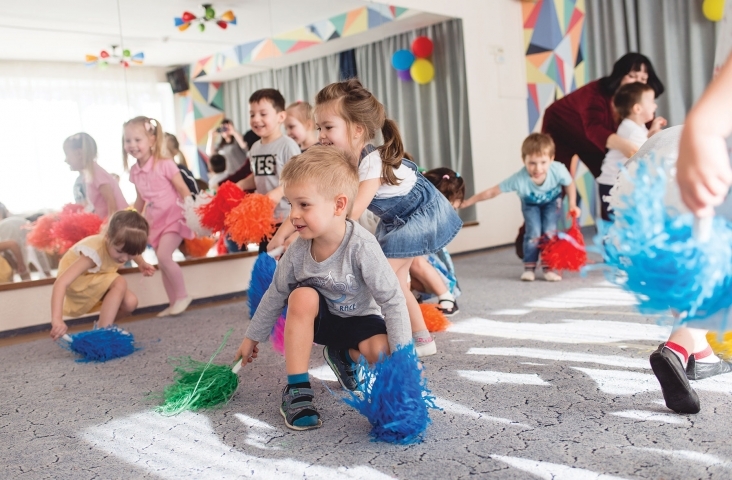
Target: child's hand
656	125
574	212
146	269
248	351
58	329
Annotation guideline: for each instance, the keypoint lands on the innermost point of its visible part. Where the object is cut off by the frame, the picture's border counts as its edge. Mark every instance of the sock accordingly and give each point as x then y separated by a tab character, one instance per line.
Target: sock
529	267
679	351
422	335
706	356
299	380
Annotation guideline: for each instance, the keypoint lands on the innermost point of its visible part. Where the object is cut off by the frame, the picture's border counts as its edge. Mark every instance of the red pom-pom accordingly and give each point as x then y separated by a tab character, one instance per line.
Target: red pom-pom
252	220
434	318
198	247
74	225
214	213
566	251
40	235
221	248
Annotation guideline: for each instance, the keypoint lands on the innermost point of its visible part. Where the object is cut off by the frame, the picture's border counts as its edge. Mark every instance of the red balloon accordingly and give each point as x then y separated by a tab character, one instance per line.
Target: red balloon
104	54
222	24
188	17
422	47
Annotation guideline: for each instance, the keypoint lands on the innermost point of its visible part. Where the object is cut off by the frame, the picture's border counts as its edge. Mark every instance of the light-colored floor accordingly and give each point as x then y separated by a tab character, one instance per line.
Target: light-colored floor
542	380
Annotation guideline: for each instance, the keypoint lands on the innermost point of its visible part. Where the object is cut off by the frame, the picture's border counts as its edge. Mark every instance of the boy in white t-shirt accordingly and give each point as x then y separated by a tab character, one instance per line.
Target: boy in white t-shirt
636	105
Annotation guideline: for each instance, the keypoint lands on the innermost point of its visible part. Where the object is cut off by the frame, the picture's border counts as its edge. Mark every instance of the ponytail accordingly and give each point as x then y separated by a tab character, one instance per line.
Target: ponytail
152	129
392	152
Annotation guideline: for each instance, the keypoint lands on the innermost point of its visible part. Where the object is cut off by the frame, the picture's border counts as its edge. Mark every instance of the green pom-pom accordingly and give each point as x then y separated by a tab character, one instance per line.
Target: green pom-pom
199	385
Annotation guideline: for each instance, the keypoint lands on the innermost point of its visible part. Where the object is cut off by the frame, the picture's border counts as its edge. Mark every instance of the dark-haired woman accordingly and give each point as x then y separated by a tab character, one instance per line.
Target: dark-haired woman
584	122
232	146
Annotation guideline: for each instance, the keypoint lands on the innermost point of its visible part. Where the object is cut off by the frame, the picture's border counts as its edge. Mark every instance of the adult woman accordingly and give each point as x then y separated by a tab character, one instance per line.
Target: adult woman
232	146
584	122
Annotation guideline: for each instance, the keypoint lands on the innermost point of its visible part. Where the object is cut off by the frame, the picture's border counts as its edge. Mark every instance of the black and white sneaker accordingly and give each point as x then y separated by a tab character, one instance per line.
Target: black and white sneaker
448	307
344	371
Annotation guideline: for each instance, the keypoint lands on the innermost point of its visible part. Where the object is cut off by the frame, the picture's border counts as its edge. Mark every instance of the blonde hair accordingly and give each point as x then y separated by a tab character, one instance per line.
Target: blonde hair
153	129
84	142
303	113
128	229
537	144
357	106
329	169
172	150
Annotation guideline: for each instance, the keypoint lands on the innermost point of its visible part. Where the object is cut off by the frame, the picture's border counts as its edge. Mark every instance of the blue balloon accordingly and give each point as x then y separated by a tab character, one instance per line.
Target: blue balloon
402	59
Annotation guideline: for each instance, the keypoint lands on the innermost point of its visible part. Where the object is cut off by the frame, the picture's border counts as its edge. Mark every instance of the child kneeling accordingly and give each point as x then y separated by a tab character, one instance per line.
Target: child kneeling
539	186
334	280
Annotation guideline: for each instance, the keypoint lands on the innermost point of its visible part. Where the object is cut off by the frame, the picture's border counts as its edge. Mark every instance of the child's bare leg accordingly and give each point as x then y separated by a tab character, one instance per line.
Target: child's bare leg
423	340
129	304
427	276
692	339
302	309
371	348
112	302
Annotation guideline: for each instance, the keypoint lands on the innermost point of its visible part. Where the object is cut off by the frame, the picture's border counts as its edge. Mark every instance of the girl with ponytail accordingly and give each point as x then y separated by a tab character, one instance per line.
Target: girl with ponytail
160	188
415	218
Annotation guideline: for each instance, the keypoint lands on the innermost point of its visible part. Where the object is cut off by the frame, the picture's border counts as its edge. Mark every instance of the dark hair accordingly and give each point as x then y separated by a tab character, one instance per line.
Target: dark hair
449	183
631	62
251	138
128	230
271	94
218	163
628	96
357	106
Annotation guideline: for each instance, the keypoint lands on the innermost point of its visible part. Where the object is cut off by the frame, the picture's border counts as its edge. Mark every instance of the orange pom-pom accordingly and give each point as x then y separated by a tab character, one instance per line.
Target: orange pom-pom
252	220
435	320
40	235
214	213
198	247
74	225
566	251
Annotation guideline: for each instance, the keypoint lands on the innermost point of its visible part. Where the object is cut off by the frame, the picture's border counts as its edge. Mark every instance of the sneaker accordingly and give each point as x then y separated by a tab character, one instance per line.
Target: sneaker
677	392
448	307
551	276
164	313
344	372
425	346
698	371
298	410
528	276
181	305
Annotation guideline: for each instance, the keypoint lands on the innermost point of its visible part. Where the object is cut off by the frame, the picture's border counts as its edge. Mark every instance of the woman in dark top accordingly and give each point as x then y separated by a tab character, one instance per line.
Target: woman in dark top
584	122
231	145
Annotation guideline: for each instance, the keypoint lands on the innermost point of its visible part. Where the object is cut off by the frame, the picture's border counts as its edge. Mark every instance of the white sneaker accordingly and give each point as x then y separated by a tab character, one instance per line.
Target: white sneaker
181	305
425	347
165	312
528	276
550	276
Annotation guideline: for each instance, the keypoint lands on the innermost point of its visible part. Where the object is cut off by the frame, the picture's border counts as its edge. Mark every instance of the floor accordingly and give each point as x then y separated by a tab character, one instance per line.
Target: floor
535	380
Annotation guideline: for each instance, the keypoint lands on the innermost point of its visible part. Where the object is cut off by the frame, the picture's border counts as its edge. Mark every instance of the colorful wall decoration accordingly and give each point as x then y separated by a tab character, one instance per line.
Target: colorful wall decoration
554	41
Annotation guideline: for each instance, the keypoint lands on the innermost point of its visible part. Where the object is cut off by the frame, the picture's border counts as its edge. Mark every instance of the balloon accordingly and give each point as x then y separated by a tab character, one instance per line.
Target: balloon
422	47
104	54
422	71
402	59
713	9
210	13
125	53
404	75
222	24
202	27
188	17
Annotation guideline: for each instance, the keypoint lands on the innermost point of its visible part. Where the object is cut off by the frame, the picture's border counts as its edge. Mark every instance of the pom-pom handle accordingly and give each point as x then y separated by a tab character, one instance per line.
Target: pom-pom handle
237	366
276	252
66	338
703	228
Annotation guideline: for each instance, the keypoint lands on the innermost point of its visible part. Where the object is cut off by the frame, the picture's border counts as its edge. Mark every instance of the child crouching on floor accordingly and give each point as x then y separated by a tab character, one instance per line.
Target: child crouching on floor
334	280
539	186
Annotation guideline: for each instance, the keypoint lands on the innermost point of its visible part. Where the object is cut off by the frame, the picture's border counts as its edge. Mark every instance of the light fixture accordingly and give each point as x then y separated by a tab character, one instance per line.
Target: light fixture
125	58
209	15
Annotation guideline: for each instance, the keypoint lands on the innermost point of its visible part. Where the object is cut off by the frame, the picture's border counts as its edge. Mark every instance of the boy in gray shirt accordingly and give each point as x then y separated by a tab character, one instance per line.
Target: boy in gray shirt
336	282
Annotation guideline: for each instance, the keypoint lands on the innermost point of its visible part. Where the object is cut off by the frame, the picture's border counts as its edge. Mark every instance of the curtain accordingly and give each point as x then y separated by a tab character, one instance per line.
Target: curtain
673	33
433	118
348	64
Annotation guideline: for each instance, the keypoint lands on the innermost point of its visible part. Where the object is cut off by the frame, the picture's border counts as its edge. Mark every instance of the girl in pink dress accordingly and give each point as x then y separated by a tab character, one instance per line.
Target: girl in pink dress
160	187
102	189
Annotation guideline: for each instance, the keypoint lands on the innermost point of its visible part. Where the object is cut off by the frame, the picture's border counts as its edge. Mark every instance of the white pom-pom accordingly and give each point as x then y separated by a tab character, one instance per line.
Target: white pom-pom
189	212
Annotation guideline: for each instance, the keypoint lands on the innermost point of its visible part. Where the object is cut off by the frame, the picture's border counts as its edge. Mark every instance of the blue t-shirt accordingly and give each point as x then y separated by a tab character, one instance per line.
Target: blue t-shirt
529	192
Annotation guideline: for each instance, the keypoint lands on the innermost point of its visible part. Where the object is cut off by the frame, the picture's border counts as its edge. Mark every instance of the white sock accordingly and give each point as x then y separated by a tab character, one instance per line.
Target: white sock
706	356
446	296
422	334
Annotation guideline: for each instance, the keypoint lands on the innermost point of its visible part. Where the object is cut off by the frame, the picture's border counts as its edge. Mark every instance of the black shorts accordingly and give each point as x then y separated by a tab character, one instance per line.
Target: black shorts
604	191
263	244
344	332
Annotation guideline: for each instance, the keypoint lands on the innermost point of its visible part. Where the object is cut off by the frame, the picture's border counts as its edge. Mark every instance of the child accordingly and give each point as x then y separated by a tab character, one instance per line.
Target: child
415	219
538	185
87	278
11	247
335	281
160	189
435	273
635	103
271	152
218	167
102	190
300	124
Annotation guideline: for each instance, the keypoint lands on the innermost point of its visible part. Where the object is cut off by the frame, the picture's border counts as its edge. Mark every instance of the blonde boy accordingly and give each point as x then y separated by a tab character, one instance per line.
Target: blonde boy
335	281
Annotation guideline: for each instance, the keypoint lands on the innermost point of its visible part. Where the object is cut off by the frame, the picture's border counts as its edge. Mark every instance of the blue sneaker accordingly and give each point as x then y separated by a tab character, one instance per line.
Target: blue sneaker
298	410
344	371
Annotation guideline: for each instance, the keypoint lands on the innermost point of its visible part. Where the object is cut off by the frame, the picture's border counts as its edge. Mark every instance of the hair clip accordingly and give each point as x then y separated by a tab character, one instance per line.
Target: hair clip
130	209
457	175
446	177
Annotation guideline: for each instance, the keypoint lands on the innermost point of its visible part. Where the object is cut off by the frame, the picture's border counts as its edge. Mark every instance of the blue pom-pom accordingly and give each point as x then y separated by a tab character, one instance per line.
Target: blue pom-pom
101	344
663	263
395	398
262	275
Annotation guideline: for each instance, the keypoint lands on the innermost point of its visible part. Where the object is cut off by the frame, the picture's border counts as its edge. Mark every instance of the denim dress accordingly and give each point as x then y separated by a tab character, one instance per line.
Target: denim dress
418	223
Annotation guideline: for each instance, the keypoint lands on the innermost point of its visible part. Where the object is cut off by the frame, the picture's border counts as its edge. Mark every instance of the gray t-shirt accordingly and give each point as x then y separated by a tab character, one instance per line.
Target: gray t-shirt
357	280
267	164
234	154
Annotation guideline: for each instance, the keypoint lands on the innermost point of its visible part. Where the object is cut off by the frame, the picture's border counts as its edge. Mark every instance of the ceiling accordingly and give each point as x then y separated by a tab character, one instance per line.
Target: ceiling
67	30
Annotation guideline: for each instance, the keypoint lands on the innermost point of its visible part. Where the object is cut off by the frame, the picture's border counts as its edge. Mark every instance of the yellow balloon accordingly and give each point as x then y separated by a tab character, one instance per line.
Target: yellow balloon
422	71
713	9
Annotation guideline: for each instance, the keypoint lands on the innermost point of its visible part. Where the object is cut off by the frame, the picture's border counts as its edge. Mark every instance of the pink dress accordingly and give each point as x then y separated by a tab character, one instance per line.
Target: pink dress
154	181
102	177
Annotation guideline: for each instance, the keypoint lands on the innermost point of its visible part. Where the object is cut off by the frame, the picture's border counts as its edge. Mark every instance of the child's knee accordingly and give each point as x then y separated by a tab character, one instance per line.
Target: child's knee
303	302
130	302
373	347
119	283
